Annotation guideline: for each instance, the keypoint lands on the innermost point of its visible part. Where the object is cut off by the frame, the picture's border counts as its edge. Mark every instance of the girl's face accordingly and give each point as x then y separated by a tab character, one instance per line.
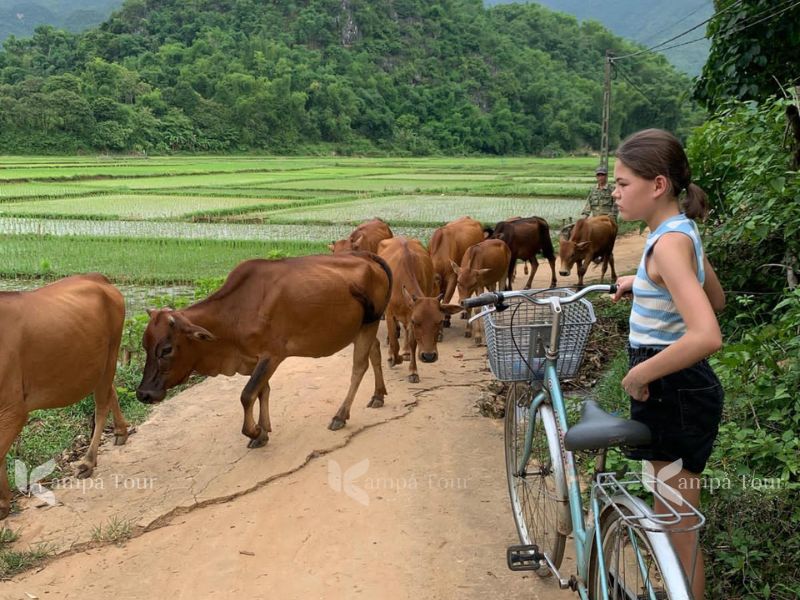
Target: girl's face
634	195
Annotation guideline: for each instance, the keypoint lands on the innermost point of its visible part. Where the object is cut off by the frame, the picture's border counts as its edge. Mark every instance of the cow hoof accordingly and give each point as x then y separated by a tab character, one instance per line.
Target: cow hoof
83	470
467	334
413	378
464	316
440	337
478	342
120	439
336	424
375	402
258	442
406	355
446	322
395	360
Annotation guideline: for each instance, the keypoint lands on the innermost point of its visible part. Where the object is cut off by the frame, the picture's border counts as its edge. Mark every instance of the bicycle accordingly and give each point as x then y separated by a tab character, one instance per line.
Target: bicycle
623	551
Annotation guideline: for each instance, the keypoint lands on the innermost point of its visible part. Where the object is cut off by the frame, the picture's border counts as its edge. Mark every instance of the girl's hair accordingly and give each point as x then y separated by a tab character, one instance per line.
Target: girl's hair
653	152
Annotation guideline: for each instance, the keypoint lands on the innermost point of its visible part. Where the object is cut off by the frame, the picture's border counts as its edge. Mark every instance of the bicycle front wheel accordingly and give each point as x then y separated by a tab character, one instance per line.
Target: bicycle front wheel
538	488
639	564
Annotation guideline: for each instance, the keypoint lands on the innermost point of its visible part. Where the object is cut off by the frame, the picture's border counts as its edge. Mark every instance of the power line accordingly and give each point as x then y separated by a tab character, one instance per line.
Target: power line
618	69
737	29
681	20
680	35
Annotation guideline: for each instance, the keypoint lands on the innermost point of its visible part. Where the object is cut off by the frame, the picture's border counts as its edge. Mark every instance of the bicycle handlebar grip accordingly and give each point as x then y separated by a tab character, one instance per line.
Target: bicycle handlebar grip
483	300
613	289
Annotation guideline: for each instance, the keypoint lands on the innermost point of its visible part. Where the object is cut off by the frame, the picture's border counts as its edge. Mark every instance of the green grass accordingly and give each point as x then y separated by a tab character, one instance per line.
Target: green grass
156	261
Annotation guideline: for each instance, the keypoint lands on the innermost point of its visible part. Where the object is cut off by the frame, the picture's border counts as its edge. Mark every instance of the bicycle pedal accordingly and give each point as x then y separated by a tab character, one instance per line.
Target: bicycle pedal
524	558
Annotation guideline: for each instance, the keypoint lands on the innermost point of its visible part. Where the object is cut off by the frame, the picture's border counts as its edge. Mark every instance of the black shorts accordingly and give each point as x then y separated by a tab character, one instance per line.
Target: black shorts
683	413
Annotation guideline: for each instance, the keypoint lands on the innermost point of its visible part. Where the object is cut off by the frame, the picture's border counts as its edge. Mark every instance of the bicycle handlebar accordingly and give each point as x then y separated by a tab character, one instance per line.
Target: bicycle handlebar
497	298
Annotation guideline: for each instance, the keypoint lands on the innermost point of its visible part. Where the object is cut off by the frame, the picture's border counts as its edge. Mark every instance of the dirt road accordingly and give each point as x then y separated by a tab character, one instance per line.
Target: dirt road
408	501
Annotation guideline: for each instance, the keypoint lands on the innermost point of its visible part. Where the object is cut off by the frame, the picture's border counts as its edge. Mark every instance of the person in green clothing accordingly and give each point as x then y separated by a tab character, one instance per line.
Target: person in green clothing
599	201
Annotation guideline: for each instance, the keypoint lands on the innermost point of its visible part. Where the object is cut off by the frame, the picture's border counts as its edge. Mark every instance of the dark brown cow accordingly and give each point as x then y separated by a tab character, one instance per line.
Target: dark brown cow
591	238
449	243
265	312
526	238
414	303
60	344
483	268
365	237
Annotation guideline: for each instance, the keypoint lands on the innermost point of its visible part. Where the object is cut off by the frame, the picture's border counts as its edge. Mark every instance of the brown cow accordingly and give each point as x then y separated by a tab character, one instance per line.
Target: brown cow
449	243
365	237
265	312
414	303
591	238
60	344
483	268
526	238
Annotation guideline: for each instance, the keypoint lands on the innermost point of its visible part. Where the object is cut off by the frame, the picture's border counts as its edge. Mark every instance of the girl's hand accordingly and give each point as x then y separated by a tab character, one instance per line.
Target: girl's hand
635	387
624	286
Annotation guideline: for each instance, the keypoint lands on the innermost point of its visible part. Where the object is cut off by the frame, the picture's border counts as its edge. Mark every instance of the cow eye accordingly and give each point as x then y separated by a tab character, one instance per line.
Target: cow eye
165	351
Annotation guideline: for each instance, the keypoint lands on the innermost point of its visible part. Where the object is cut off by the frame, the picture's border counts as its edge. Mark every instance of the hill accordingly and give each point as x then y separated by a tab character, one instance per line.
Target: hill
647	22
343	75
21	17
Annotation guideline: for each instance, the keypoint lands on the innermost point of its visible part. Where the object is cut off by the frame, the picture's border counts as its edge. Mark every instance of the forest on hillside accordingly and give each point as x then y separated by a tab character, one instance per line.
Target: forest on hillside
21	17
406	76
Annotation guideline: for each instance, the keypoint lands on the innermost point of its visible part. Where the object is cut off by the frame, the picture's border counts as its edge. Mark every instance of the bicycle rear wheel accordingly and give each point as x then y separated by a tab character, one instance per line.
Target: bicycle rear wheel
538	490
654	573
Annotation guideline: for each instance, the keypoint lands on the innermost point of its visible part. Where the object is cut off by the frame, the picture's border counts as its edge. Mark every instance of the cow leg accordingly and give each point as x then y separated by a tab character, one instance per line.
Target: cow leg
394	346
361	355
258	387
581	267
380	386
448	295
534	268
511	266
413	376
553	281
406	343
611	262
9	430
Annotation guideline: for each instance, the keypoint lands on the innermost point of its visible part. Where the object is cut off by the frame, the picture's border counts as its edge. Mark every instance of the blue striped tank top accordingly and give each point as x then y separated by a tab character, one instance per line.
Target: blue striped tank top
655	320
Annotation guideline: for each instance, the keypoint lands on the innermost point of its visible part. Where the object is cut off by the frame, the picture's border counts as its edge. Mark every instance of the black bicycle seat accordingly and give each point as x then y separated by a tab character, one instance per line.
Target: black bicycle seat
597	429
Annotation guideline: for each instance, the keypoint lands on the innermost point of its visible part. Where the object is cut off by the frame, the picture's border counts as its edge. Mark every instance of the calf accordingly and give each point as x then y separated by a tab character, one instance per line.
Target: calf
365	237
591	238
483	268
60	344
414	303
526	238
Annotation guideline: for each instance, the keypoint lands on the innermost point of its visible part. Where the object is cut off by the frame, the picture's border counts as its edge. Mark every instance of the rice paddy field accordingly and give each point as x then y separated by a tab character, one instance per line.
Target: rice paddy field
158	225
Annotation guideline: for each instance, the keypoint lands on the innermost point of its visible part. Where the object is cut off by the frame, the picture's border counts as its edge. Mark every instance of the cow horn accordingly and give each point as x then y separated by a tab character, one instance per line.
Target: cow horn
171	320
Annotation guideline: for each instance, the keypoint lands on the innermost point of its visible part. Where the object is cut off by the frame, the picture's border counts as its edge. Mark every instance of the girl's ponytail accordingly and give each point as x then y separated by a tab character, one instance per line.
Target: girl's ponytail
694	203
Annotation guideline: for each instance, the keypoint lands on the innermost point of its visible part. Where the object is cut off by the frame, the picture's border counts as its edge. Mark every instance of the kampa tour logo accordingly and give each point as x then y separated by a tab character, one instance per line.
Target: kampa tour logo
29	484
655	482
343	481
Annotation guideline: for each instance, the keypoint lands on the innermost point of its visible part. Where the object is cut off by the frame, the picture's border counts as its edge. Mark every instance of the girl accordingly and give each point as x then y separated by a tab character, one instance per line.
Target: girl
672	325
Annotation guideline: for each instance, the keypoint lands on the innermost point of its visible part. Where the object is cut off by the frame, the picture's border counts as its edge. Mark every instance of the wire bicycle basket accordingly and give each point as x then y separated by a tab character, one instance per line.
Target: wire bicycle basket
517	336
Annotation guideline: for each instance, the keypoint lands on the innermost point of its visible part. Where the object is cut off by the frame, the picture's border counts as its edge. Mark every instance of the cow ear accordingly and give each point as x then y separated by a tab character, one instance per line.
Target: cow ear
450	309
201	334
331	247
581	245
357	242
456	268
410	299
483	271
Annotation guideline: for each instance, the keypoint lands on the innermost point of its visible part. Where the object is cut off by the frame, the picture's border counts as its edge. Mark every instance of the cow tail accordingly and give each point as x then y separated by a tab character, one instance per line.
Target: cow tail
547	243
372	312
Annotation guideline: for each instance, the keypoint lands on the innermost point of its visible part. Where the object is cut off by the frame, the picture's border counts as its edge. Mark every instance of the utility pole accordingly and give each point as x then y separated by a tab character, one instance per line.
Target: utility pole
606	112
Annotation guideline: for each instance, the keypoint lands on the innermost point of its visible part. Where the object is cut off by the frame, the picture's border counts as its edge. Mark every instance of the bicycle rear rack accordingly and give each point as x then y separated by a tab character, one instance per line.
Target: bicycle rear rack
607	486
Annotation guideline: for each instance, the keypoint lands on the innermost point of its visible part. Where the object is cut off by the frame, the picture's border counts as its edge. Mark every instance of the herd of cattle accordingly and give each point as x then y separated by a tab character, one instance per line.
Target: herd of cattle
61	342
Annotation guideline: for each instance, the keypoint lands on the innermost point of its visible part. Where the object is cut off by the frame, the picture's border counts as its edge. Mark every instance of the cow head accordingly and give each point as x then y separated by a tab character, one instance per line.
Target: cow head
468	279
427	317
340	246
570	253
171	344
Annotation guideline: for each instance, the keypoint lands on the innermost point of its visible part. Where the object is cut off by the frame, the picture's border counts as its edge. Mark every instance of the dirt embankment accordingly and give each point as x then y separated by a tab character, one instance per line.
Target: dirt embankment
408	501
